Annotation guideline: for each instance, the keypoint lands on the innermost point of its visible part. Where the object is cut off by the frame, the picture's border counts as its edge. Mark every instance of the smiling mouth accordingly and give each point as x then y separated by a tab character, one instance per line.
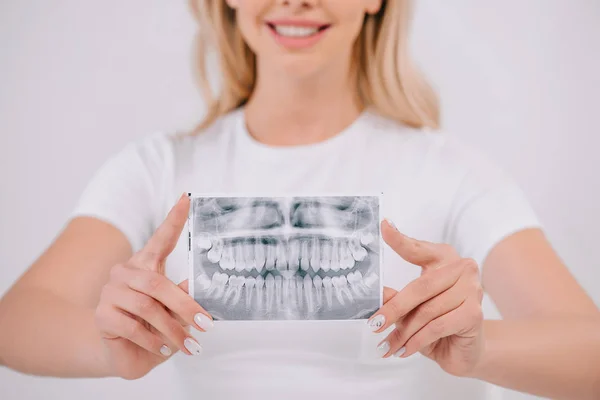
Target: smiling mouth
295	31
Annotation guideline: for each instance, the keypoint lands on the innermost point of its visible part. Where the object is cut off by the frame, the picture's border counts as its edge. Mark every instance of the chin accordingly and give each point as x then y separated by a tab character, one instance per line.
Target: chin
299	67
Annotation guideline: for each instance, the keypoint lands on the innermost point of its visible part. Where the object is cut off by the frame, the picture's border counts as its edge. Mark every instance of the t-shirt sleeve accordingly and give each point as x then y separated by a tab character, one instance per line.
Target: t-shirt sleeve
488	206
126	190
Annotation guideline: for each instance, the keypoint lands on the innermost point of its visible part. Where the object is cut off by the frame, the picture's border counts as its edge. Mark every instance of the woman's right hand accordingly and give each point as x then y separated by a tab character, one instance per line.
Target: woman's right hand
142	316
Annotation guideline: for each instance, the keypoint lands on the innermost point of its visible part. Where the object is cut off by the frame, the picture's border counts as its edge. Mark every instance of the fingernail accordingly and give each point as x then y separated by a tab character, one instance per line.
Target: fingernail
400	352
391	223
165	350
184	195
383	348
192	346
204	322
376	322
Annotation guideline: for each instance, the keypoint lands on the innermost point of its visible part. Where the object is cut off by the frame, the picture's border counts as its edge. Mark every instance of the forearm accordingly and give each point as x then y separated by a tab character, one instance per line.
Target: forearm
44	334
555	358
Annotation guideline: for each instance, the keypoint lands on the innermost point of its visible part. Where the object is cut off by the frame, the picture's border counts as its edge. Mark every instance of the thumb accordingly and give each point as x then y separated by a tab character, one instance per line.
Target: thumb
165	238
418	252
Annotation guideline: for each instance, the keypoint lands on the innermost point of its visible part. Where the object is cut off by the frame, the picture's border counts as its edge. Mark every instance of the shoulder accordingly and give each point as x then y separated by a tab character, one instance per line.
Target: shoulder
208	139
168	147
435	151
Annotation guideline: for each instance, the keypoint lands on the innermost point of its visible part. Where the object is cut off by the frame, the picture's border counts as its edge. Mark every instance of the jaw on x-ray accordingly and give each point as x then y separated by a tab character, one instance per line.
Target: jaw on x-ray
285	258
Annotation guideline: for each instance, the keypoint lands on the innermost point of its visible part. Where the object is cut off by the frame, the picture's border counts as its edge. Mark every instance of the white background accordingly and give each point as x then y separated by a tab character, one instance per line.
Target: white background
78	80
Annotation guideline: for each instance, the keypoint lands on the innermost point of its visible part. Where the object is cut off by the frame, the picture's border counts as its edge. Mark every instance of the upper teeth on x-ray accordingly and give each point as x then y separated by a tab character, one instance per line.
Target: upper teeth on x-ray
295	258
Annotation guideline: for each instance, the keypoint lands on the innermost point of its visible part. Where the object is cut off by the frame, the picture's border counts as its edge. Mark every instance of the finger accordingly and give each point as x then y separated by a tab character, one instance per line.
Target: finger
466	318
418	252
151	311
114	324
414	294
388	294
184	286
423	315
167	293
165	238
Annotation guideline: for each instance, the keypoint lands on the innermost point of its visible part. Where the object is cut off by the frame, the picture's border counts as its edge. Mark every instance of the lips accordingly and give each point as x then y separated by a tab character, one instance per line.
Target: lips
297	35
297	30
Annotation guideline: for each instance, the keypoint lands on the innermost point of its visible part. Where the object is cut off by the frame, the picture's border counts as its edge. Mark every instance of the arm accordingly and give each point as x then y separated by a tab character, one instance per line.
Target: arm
48	315
549	341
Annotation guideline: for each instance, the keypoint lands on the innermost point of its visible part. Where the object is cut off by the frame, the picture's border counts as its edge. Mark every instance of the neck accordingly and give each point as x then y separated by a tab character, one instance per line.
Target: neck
288	112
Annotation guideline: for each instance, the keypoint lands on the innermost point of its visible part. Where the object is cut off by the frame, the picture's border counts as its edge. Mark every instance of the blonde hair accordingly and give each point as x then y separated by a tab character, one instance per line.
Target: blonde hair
388	82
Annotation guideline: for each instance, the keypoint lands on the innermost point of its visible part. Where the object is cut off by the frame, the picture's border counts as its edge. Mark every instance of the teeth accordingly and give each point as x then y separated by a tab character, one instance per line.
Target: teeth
217	285
326	256
214	254
270	284
249	256
250	282
298	286
355	282
360	282
345	289
259	256
292	291
328	285
238	284
280	258
308	293
293	255
202	282
270	259
260	283
315	255
371	280
335	256
304	256
346	260
234	286
239	259
286	290
278	287
358	252
367	238
341	288
203	241
227	262
336	284
241	281
318	283
295	31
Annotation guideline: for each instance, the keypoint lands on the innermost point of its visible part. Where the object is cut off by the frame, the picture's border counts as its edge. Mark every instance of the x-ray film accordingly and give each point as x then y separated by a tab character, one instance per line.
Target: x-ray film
286	258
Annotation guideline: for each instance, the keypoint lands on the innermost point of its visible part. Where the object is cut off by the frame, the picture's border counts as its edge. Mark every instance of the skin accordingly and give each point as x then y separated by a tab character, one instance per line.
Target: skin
98	302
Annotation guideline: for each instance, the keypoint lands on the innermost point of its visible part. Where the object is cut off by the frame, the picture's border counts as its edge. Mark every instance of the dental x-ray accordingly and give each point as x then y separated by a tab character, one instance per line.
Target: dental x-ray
285	258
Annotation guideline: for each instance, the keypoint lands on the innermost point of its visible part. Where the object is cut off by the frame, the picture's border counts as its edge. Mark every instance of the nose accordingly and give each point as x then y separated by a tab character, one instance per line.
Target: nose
298	3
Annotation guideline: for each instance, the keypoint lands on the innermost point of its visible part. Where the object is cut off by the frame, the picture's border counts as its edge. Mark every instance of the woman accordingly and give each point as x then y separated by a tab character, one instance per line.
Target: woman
318	96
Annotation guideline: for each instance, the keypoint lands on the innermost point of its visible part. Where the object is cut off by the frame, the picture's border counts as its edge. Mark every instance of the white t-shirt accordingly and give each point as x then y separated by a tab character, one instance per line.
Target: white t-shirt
434	189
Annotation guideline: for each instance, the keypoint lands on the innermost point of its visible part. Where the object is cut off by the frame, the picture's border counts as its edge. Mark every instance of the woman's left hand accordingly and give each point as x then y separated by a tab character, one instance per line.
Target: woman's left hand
438	314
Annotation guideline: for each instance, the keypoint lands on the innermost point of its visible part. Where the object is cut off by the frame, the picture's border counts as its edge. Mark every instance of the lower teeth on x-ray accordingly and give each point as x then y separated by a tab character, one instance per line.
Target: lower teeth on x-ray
285	258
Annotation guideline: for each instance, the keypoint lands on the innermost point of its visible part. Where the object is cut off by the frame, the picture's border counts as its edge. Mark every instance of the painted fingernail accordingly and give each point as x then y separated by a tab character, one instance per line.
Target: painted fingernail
203	322
383	348
165	350
400	352
376	322
391	223
192	346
